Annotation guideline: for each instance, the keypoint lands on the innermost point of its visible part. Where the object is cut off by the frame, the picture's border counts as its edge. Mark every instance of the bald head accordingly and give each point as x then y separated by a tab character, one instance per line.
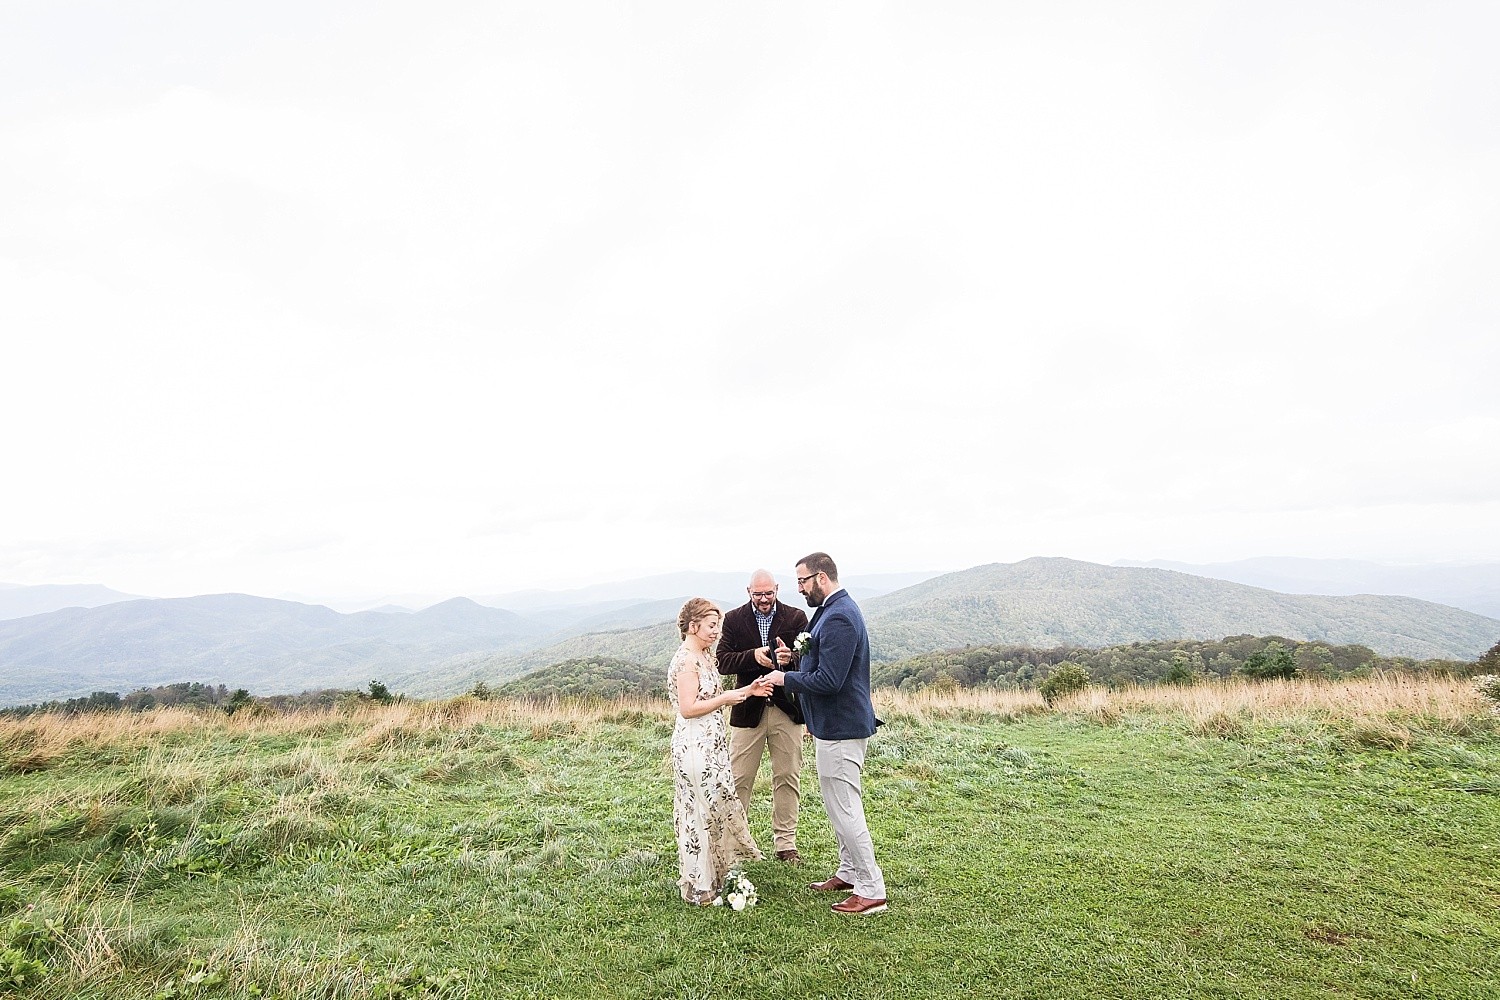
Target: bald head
762	591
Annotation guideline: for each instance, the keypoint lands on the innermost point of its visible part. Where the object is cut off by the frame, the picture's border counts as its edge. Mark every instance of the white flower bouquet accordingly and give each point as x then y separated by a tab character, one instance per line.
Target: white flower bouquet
738	892
802	643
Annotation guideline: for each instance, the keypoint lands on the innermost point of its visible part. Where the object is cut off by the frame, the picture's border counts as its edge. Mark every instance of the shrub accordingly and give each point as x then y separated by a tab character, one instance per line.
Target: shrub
1185	669
21	938
943	684
18	970
1065	679
1272	662
240	699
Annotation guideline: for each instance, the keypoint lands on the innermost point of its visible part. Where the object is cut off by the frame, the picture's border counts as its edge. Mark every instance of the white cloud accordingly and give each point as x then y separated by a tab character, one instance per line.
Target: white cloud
487	295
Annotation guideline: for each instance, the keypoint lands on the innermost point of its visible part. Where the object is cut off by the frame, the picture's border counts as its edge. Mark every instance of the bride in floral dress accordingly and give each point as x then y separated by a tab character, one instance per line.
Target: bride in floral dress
711	830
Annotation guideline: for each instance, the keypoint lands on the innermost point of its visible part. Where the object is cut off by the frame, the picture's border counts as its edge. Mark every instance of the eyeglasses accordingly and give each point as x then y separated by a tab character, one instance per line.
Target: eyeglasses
762	593
803	579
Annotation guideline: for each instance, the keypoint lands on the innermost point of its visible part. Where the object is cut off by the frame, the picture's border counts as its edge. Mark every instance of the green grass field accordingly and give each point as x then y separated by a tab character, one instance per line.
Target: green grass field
1284	841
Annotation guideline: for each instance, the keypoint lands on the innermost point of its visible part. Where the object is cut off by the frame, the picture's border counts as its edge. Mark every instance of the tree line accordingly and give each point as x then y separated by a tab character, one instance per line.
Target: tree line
604	677
1053	670
1159	661
196	695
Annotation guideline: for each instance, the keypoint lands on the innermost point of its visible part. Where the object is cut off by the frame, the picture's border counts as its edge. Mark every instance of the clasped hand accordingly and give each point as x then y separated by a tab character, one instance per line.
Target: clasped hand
759	688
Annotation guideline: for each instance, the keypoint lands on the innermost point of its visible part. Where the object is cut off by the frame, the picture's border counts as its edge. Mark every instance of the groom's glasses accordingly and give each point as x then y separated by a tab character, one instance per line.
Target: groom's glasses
803	579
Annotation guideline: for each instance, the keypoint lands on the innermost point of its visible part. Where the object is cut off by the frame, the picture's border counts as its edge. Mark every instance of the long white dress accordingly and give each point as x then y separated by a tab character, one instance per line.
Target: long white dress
711	830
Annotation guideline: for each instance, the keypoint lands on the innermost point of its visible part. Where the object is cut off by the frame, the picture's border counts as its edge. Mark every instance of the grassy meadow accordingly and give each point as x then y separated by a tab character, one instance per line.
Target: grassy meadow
1277	840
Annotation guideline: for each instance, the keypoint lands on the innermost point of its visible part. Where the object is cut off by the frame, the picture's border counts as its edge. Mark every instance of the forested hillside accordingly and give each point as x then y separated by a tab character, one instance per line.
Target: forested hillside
586	677
1179	661
1050	602
263	645
270	647
648	649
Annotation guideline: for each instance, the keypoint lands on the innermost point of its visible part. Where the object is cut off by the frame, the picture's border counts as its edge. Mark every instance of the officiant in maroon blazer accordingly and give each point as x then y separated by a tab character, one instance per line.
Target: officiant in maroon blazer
747	650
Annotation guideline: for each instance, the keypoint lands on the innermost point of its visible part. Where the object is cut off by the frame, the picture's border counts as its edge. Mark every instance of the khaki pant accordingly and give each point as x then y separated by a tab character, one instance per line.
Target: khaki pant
747	747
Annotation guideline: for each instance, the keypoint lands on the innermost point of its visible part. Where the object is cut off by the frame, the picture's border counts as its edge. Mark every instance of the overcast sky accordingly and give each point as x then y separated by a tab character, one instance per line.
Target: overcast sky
357	298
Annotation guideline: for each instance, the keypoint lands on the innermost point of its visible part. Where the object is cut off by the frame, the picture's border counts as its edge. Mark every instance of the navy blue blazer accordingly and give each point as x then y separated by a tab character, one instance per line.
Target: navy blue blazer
832	682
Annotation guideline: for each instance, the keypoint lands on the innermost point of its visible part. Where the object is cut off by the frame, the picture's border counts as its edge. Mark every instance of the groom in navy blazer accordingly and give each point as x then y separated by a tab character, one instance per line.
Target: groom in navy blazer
832	683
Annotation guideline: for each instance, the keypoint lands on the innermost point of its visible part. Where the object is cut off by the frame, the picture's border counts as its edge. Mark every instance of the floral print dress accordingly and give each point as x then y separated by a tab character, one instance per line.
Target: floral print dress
711	830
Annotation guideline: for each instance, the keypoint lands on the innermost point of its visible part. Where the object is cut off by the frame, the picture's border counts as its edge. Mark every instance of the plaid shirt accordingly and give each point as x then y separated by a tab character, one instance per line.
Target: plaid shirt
764	621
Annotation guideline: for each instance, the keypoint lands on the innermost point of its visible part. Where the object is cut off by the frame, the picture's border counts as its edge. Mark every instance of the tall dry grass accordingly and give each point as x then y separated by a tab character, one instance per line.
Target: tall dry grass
917	706
1387	710
1390	710
37	742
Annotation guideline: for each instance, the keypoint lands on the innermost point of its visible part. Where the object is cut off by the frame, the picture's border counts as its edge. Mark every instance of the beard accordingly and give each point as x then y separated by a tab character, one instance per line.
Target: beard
814	597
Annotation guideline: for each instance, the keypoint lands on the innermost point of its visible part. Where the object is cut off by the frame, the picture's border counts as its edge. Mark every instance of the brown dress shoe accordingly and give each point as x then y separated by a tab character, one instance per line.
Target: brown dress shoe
832	884
790	857
860	906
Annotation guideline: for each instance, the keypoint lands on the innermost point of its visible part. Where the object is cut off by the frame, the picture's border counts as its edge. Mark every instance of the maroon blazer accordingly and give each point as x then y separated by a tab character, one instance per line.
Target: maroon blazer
737	645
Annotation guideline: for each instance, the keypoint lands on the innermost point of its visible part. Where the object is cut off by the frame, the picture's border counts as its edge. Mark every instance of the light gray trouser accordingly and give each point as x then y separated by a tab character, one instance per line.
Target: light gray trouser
840	763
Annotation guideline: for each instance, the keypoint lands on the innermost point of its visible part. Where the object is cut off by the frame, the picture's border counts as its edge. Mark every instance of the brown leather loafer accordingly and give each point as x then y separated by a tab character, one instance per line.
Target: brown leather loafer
860	906
790	857
832	884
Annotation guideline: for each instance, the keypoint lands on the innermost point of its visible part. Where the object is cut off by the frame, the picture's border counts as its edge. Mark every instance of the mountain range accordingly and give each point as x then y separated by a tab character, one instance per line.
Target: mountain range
1473	587
1043	602
268	645
265	645
273	646
1048	602
23	602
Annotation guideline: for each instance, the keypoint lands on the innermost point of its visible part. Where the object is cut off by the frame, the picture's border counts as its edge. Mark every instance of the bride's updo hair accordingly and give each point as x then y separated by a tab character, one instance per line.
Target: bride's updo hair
695	610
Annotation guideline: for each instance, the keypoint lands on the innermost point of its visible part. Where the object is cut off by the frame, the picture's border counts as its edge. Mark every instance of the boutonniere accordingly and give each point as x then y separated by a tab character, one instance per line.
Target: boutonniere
803	644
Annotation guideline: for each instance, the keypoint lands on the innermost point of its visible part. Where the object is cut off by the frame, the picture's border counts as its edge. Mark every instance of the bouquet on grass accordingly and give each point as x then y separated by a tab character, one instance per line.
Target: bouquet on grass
738	892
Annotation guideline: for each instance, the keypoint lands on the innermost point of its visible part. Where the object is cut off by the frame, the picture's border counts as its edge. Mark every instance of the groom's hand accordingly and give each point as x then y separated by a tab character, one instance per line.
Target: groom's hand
776	677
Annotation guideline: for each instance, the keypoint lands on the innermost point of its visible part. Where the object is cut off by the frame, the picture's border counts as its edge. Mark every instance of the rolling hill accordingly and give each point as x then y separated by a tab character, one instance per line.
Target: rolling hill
1473	587
257	643
270	646
653	644
23	602
727	589
1048	602
1055	602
